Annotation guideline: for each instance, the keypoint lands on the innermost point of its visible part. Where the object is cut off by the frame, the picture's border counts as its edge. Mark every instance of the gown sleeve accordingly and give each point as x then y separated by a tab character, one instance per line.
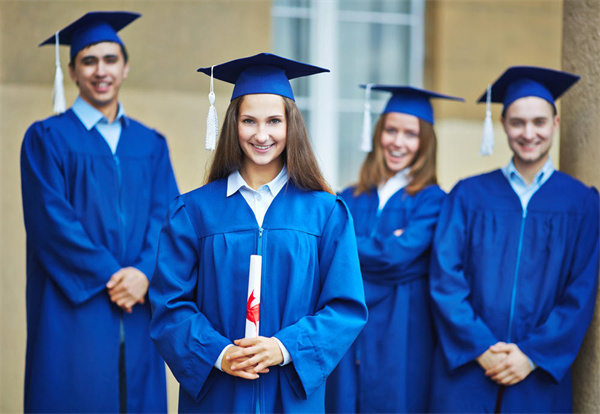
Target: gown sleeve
554	344
59	241
390	260
317	342
464	336
164	190
183	335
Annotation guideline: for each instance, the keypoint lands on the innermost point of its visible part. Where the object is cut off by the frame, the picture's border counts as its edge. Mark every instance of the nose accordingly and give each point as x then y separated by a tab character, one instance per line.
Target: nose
399	139
100	68
261	135
529	132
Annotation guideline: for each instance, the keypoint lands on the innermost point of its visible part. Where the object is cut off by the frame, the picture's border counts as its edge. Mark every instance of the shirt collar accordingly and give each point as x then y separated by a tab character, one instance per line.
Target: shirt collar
511	173
235	182
400	179
90	116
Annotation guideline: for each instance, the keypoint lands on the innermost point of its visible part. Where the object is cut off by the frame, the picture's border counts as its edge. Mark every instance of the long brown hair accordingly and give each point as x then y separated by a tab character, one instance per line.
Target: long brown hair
374	170
303	169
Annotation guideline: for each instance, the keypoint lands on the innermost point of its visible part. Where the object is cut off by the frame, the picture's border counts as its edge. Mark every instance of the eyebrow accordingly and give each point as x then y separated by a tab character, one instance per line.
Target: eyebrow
110	55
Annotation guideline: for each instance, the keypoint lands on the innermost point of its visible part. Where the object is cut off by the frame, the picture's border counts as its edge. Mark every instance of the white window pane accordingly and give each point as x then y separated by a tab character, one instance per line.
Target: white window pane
371	53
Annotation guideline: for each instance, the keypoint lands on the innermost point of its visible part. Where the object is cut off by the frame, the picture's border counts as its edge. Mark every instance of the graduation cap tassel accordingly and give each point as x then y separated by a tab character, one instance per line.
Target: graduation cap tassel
212	123
366	144
58	95
487	142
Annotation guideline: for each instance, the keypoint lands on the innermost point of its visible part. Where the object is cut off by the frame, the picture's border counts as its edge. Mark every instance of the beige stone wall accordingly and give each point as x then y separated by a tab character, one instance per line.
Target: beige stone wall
166	46
471	42
580	157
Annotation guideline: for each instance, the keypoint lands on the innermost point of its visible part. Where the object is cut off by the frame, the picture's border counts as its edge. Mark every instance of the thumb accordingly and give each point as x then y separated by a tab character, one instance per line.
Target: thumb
114	279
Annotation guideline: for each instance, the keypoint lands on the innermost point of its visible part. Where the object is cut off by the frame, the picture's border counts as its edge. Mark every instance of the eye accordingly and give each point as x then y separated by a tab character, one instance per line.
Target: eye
111	59
516	123
247	121
540	122
87	61
391	131
275	121
412	134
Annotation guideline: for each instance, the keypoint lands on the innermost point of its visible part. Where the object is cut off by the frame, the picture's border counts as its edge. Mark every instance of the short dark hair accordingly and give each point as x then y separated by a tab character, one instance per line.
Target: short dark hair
123	51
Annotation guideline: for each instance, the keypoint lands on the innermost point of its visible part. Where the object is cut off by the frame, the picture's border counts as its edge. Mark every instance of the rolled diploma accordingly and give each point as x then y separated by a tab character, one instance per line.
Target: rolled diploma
253	299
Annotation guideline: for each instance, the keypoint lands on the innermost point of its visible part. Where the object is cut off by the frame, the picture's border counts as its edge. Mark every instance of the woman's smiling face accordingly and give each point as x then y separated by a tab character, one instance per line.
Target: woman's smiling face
400	140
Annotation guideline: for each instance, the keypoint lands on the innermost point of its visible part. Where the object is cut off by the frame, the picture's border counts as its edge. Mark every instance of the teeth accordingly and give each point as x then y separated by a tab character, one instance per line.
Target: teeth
397	153
262	147
102	84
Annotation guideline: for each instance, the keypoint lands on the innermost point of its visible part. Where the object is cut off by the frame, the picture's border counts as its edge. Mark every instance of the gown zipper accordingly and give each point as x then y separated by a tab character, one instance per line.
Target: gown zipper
516	277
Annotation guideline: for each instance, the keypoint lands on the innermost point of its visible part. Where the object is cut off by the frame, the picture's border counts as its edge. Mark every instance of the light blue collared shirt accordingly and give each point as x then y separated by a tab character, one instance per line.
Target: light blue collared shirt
524	191
91	117
259	201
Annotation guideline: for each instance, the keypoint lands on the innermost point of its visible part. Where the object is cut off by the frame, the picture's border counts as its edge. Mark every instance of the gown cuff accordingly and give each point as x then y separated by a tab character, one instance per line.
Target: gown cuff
287	358
220	359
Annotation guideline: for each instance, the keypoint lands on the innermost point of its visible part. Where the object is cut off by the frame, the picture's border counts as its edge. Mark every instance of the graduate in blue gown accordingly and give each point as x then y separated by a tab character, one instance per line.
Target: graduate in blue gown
515	266
96	186
395	206
264	196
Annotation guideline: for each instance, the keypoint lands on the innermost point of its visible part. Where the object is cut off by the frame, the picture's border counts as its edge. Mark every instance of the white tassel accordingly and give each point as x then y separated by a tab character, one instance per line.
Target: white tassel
212	123
366	144
58	95
487	141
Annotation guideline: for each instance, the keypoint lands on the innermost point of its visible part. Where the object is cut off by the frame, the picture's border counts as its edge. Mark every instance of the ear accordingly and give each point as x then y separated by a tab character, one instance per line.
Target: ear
503	122
126	70
72	73
556	121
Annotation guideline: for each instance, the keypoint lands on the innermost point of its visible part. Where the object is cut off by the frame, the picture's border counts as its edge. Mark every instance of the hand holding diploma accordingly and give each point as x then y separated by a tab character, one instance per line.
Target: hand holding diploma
253	354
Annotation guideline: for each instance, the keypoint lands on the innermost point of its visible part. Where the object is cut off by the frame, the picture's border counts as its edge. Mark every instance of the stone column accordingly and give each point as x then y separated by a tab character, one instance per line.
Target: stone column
580	157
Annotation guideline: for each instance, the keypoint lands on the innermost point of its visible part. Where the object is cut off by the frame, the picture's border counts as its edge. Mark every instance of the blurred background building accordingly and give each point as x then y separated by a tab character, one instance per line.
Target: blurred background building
454	47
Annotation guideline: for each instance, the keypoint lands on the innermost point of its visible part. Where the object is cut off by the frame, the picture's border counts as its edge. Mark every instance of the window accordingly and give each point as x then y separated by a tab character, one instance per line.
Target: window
361	41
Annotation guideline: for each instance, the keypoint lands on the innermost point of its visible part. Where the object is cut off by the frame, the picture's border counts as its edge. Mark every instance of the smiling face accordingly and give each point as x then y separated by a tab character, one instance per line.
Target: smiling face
400	140
262	131
530	125
99	70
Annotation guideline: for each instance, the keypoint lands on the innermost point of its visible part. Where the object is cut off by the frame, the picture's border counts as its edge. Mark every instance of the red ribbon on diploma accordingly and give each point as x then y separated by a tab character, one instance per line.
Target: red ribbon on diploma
253	312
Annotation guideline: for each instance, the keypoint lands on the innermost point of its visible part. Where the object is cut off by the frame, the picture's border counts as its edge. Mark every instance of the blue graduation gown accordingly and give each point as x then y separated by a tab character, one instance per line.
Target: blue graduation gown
387	369
503	274
87	214
312	298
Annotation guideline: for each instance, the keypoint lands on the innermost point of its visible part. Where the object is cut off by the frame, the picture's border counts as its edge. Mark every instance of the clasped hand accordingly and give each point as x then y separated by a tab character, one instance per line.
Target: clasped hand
251	356
127	287
505	364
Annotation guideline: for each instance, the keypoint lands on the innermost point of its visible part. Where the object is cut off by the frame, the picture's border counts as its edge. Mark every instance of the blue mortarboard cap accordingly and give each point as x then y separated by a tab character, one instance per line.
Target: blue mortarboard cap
412	101
262	73
521	81
93	27
406	100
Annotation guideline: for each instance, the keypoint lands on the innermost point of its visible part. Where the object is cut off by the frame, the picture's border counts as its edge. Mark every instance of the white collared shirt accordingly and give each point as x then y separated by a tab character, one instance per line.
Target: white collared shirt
259	201
386	190
91	117
524	191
